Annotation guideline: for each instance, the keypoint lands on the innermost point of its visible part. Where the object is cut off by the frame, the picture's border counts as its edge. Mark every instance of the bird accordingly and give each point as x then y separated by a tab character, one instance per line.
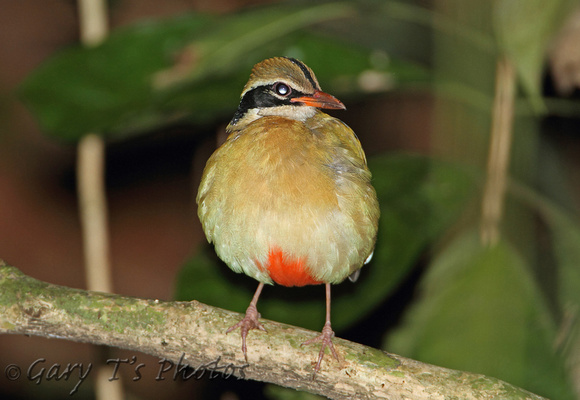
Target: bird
287	199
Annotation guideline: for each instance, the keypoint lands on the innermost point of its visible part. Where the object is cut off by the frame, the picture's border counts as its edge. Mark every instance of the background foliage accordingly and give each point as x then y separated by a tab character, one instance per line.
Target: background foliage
509	309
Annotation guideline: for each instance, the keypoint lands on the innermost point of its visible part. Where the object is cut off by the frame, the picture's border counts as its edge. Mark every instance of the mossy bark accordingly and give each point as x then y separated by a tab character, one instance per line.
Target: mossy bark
194	333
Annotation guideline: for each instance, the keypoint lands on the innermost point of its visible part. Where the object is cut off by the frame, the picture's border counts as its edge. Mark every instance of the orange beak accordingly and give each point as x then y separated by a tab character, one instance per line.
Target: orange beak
321	100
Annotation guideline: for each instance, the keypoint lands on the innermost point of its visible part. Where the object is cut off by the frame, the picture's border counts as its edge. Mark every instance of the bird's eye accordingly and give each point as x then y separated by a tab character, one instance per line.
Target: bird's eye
282	89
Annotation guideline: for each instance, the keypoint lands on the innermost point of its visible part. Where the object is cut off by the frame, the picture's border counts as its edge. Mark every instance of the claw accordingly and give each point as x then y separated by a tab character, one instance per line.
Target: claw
249	322
325	338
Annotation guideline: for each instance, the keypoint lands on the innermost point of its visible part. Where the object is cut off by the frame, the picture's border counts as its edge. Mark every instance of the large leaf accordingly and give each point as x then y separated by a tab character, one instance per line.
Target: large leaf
481	311
237	37
566	242
564	228
189	68
419	198
524	29
108	87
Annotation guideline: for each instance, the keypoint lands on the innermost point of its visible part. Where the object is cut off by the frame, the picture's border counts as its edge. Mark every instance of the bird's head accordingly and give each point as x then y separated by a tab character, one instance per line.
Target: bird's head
282	87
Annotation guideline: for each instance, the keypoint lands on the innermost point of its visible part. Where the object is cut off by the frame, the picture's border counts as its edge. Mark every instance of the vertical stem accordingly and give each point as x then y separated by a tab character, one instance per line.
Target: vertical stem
93	27
499	152
93	23
92	197
93	212
90	174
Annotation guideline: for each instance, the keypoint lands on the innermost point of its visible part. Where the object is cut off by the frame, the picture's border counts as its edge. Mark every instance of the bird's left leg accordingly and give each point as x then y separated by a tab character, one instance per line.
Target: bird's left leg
250	320
326	336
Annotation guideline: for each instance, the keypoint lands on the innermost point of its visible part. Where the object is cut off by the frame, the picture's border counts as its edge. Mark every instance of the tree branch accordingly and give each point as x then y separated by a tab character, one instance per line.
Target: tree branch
194	333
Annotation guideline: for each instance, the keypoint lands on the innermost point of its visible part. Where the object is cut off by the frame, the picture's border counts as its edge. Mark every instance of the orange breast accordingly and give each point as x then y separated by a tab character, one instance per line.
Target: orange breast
287	271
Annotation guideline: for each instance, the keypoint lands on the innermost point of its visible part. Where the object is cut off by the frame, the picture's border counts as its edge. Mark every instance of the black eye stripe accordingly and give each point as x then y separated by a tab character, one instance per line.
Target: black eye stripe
262	97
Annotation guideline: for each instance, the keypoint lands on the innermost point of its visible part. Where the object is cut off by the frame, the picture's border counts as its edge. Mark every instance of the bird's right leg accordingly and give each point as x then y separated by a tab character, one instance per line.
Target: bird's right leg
250	320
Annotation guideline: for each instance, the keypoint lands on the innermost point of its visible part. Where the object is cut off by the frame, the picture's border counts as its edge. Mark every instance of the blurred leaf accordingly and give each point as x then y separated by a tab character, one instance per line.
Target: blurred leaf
419	199
190	68
481	311
524	29
564	227
442	23
107	88
565	230
219	50
566	242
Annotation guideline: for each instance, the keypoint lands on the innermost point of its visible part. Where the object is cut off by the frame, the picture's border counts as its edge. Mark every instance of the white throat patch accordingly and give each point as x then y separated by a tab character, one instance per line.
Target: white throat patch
298	113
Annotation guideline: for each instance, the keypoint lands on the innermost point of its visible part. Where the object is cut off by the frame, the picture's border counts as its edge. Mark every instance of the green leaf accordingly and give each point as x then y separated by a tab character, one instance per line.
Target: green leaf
566	243
236	37
419	199
481	311
108	87
114	88
524	29
192	69
564	228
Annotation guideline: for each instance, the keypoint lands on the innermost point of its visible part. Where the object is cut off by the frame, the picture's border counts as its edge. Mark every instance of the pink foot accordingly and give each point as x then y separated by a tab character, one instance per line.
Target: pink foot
249	322
326	338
